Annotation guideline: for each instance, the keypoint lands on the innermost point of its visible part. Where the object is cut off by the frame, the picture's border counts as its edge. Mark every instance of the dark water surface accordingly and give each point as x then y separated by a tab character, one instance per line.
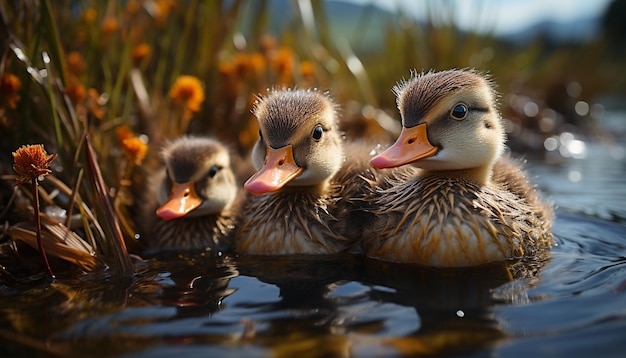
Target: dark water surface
333	306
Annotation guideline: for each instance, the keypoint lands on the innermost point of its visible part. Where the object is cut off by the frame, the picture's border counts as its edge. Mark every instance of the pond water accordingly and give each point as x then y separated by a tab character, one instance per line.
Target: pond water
339	306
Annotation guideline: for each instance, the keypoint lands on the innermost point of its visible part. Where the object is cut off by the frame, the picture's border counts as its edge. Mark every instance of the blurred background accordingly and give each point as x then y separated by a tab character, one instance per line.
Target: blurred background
127	75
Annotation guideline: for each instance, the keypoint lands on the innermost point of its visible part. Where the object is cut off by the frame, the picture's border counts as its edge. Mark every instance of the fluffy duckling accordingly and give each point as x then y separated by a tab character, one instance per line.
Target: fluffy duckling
297	200
465	204
195	192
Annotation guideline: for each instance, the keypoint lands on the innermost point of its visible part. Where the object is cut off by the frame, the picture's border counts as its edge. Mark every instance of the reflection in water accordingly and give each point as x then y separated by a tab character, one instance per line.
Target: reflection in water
571	303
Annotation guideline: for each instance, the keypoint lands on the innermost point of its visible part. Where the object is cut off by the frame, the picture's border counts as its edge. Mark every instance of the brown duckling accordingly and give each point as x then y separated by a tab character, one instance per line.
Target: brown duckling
464	204
196	192
298	194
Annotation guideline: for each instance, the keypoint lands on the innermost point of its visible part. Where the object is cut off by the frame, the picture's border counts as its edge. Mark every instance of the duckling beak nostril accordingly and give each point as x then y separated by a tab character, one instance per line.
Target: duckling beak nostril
278	170
181	201
411	146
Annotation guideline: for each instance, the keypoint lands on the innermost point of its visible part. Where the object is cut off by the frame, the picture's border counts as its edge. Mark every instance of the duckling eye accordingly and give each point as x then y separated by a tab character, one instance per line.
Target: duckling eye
213	171
317	132
459	111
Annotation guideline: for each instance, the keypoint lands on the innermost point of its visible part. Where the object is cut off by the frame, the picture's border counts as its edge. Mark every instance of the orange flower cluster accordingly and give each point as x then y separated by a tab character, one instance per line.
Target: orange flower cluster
10	86
31	162
135	148
278	64
123	132
187	91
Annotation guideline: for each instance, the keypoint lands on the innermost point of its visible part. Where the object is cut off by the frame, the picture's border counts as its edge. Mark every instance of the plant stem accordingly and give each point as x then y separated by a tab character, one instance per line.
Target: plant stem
42	251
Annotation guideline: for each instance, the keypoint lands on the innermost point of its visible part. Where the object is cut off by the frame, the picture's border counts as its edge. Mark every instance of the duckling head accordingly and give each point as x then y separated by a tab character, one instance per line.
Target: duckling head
450	124
199	179
299	144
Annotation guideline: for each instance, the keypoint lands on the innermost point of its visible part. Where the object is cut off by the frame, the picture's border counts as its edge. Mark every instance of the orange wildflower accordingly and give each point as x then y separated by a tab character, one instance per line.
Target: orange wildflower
307	68
187	91
76	92
31	162
226	69
94	104
284	64
140	52
90	15
135	148
242	65
76	63
110	25
123	132
257	63
10	86
133	7
268	44
161	10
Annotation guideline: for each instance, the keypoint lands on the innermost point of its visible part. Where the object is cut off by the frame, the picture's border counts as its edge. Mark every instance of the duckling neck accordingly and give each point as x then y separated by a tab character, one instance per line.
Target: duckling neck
480	175
319	188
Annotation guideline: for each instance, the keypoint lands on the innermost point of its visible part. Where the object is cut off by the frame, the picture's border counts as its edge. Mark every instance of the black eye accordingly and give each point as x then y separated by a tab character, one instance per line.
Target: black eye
459	111
317	132
213	171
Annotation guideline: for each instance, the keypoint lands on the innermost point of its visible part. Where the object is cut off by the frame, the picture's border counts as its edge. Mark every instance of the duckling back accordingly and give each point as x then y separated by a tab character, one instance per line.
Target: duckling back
455	222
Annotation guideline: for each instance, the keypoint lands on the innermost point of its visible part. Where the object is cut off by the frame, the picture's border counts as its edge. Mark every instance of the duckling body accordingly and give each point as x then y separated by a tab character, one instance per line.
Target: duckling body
195	197
296	201
463	204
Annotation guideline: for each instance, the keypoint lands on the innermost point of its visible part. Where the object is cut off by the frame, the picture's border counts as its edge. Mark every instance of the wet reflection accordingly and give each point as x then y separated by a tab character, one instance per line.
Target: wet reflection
346	304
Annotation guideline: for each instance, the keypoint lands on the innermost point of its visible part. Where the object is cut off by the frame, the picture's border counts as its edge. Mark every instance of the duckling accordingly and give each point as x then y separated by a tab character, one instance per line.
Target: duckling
299	194
465	204
196	193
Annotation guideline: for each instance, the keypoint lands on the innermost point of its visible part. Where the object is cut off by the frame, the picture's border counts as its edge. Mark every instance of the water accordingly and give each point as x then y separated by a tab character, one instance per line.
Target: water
337	305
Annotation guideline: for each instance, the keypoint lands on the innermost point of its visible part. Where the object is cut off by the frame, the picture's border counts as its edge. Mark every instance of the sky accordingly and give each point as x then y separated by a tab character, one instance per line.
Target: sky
501	16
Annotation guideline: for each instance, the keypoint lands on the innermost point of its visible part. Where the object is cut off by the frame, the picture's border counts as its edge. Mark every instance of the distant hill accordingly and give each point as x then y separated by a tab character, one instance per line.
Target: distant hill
364	26
579	30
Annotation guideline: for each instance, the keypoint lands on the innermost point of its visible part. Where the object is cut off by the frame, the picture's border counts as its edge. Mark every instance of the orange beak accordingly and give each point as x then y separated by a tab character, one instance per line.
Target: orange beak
411	146
182	200
279	169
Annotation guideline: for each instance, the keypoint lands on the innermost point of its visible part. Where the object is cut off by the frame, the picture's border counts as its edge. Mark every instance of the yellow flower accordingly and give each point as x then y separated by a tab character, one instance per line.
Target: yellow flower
135	148
187	91
31	162
10	86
